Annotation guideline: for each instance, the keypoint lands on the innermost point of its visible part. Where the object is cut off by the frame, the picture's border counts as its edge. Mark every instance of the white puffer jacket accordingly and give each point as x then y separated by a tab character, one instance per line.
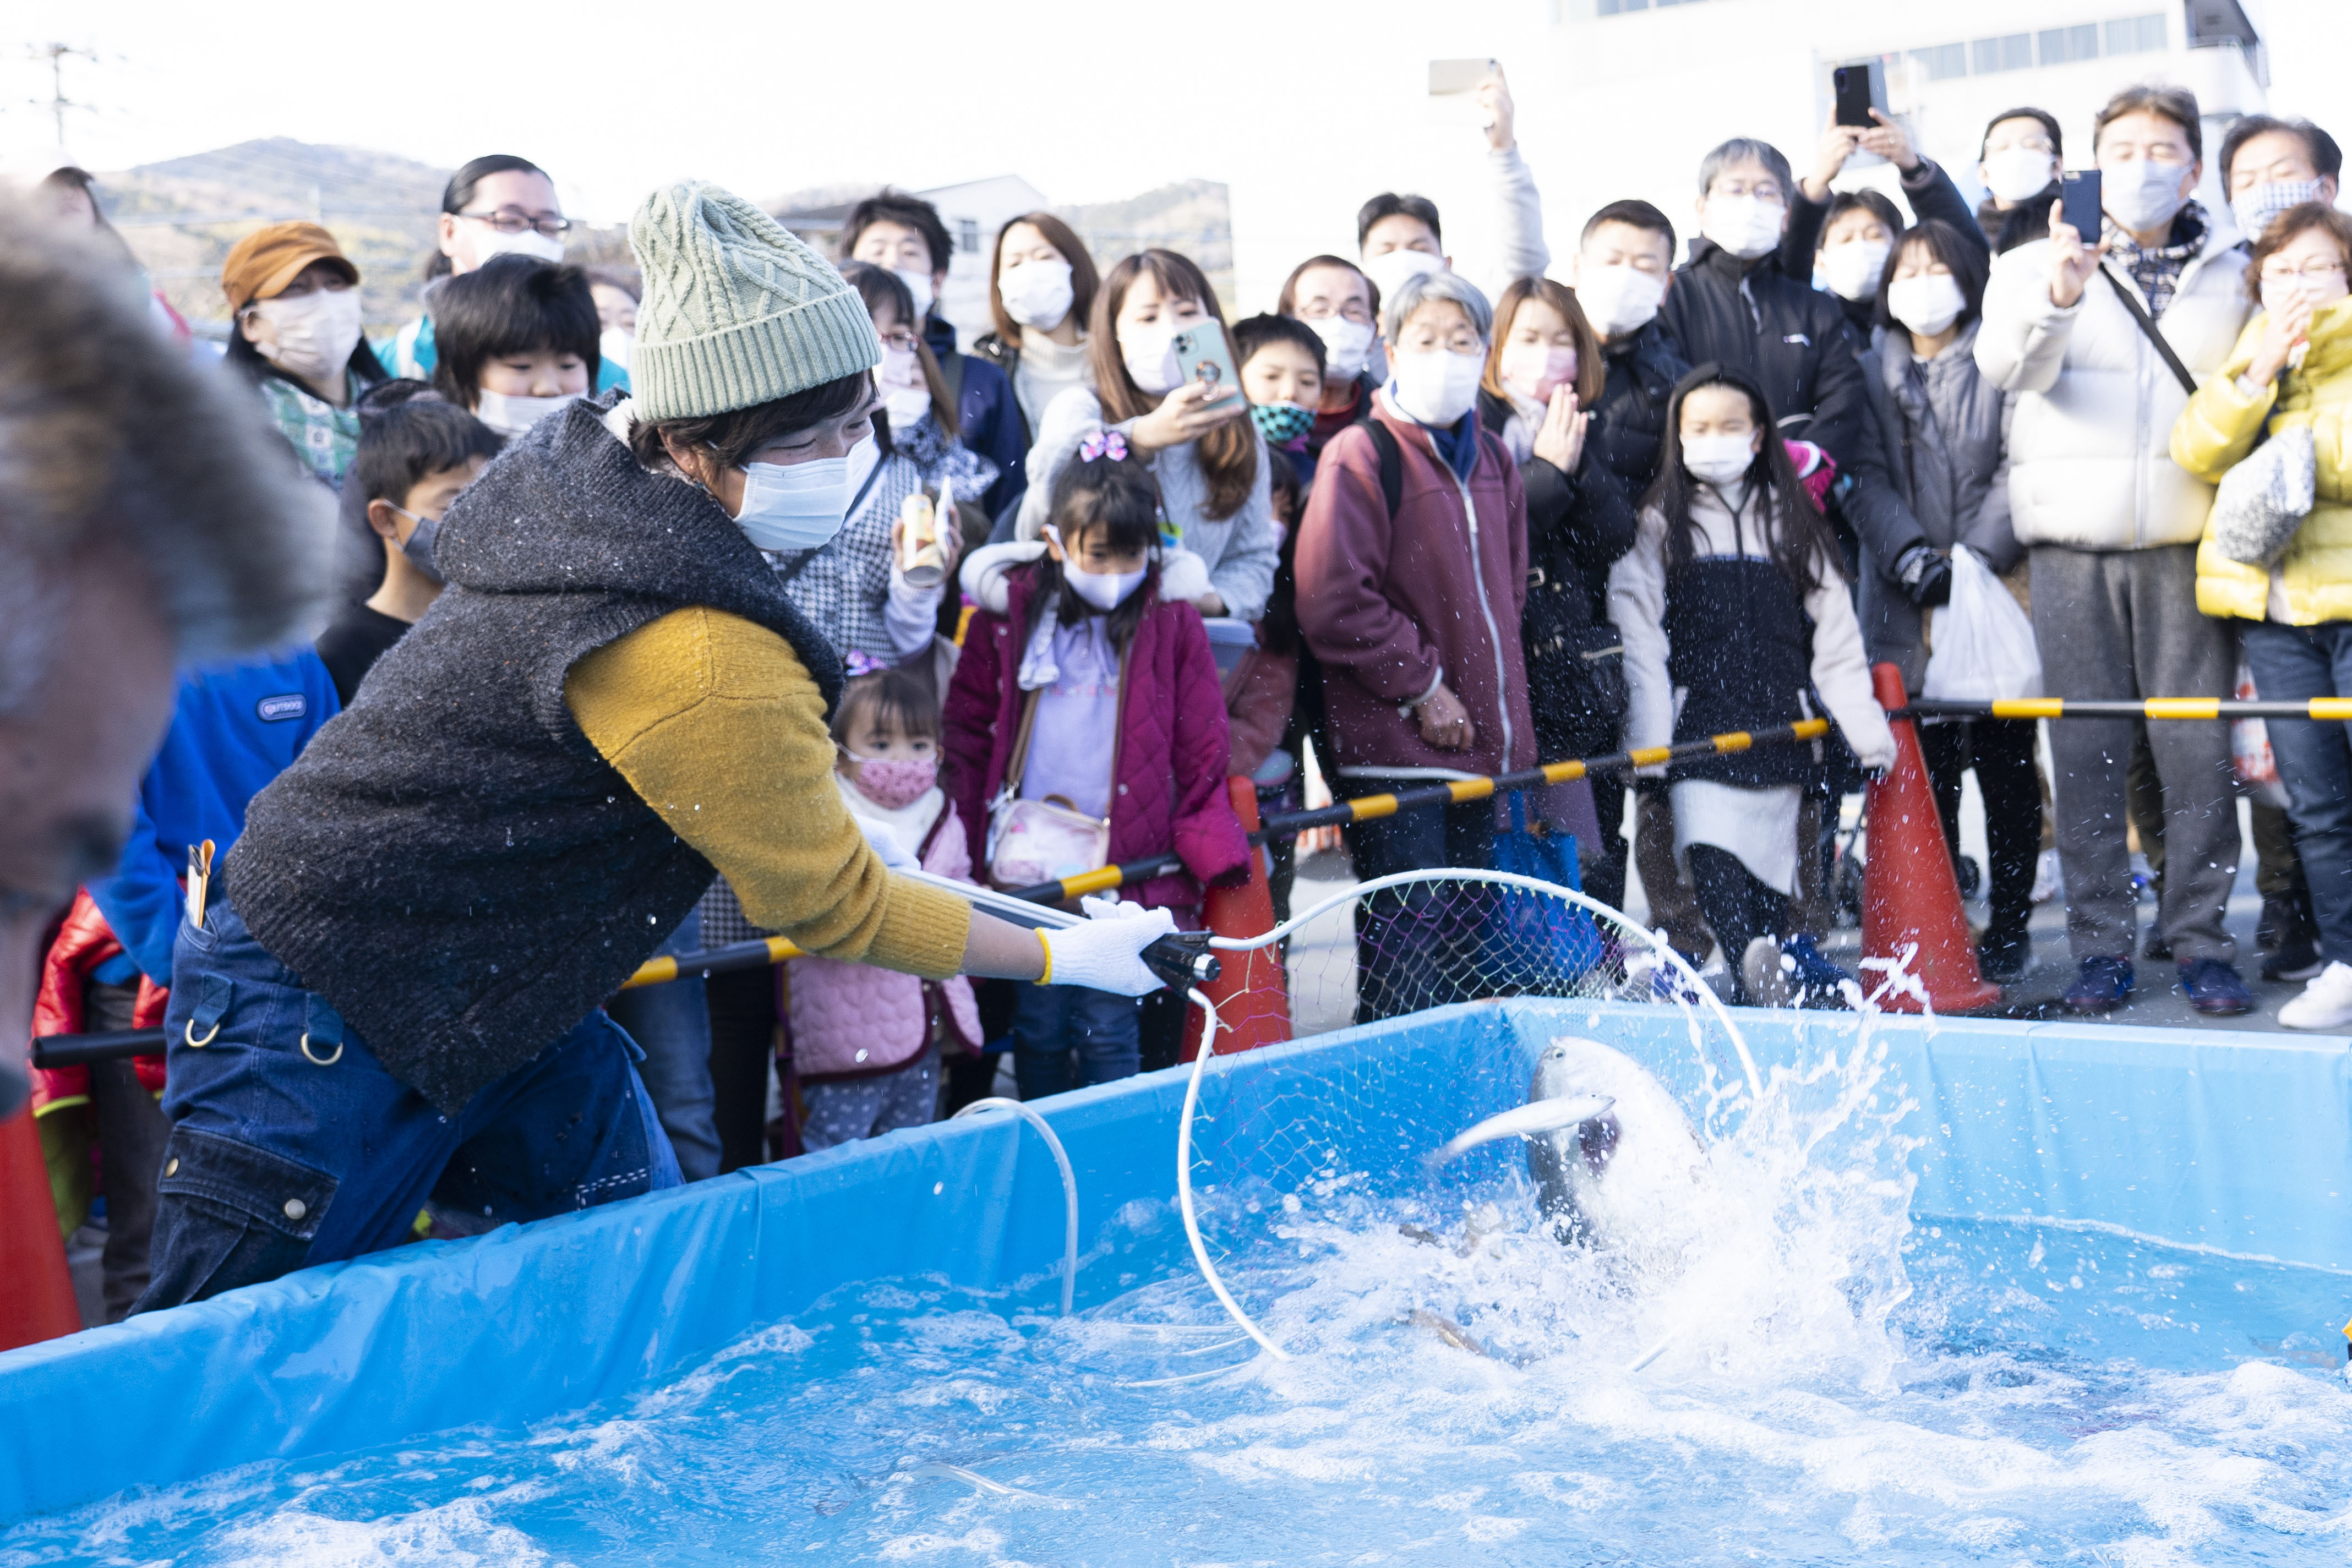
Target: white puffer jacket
2090	457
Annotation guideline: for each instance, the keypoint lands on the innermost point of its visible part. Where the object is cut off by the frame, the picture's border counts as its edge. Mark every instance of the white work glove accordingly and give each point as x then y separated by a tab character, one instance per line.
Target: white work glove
1105	953
884	842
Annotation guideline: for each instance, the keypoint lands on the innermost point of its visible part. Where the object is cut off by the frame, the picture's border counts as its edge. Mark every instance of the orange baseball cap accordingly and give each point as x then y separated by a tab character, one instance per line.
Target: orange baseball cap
264	262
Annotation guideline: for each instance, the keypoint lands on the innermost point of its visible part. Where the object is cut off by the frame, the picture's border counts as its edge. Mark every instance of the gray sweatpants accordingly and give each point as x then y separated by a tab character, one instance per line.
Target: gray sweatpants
2124	626
844	1110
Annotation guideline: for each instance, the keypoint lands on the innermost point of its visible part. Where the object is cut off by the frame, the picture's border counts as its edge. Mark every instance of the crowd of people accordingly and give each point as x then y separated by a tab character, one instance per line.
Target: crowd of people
627	559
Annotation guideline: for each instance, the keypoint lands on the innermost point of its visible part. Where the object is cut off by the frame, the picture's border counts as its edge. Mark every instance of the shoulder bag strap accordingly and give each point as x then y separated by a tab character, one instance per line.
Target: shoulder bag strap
1392	464
1017	765
2148	326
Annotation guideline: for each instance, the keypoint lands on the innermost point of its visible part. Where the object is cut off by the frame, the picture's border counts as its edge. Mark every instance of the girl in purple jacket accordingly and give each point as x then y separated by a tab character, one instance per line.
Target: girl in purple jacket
1082	693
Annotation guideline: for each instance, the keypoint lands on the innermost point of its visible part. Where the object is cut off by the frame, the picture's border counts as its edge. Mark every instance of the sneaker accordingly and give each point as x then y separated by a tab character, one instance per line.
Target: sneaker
2049	880
2280	915
2101	986
2157	949
2004	957
1763	975
2297	957
1817	983
2215	989
2326	1003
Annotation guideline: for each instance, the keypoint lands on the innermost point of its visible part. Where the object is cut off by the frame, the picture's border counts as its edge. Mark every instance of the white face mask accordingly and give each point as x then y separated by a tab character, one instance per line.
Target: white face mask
2256	208
1618	299
2280	293
905	406
1346	345
2142	194
794	506
1747	227
316	331
1718	459
1388	272
1435	386
2014	174
1105	590
1928	304
919	284
906	396
1852	270
1150	351
489	242
513	415
1532	372
1037	293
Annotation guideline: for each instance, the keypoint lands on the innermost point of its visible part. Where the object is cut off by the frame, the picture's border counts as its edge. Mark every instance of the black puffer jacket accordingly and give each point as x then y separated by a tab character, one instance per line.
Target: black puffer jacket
1629	424
1577	523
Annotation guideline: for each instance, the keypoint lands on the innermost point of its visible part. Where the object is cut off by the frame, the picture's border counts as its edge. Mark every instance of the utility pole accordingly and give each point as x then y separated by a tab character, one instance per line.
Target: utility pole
57	55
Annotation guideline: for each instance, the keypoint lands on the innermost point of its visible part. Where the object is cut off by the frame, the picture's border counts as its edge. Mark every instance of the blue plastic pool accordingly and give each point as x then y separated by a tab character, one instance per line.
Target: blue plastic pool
2040	1293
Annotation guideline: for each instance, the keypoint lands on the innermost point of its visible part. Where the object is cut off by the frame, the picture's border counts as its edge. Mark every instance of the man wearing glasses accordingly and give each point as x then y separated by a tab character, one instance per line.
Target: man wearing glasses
491	206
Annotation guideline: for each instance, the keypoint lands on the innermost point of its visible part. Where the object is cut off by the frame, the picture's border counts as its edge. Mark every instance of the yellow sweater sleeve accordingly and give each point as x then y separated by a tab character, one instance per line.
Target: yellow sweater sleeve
715	722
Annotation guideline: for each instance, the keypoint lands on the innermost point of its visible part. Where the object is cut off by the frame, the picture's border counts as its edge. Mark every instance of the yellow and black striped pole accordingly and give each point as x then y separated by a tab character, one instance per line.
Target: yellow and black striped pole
2338	709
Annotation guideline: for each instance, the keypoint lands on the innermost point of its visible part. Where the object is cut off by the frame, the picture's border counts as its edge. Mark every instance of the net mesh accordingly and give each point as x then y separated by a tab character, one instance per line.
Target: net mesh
1286	1146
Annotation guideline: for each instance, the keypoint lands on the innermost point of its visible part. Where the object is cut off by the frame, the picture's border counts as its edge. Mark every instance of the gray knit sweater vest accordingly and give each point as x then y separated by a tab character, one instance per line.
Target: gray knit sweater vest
450	862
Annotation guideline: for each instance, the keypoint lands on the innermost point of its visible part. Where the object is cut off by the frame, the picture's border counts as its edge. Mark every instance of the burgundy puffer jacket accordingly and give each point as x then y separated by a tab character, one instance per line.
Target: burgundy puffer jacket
1170	791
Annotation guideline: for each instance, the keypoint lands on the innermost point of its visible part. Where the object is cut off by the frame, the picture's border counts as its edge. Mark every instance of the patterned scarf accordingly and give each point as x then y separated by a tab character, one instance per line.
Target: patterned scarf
2157	268
323	436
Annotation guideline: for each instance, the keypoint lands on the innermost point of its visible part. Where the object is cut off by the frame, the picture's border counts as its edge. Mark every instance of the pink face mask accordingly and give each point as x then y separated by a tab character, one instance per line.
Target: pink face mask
1533	370
893	783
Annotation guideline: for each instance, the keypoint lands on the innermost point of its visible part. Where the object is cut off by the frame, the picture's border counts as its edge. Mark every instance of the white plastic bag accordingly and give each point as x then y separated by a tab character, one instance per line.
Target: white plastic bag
2250	748
1984	649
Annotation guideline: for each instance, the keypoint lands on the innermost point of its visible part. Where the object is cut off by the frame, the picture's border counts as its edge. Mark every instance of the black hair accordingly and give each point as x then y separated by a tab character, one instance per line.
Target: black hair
2326	158
734	435
458	195
1874	202
1634	214
1254	332
889	206
1802	540
1119	496
408	433
241	352
1960	254
2164	100
2049	124
512	304
1389	204
897	696
877	286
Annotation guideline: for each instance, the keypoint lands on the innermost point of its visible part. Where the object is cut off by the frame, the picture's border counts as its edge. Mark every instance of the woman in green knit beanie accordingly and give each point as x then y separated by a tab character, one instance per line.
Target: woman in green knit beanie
611	700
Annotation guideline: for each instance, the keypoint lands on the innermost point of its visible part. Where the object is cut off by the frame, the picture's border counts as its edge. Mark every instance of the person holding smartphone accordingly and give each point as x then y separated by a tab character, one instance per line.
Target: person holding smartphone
2079	326
1208	456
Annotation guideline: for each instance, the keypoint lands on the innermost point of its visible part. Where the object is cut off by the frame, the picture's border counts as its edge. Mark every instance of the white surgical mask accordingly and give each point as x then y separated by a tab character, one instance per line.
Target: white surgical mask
1618	299
794	506
2014	174
1532	372
1435	386
316	331
905	406
1747	227
1718	459
1105	590
2142	194
1389	271
1927	304
513	415
2256	208
1150	351
1345	346
919	284
1037	293
1852	270
2280	293
906	395
489	242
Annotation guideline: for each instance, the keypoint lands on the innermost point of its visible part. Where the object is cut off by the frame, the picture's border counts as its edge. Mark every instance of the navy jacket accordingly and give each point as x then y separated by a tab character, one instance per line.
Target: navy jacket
989	416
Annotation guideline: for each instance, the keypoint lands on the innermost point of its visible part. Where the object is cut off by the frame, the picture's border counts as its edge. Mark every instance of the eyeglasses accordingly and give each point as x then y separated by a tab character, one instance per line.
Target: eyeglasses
515	223
2309	269
899	337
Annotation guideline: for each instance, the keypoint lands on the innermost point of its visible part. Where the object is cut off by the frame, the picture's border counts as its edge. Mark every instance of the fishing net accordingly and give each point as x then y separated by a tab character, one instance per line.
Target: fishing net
1285	1151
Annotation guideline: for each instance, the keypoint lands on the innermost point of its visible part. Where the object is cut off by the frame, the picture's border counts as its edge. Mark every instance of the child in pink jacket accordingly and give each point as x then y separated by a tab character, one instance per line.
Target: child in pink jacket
866	1041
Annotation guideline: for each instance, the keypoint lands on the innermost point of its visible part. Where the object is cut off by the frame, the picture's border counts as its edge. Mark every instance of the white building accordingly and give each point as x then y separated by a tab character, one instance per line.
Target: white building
973	213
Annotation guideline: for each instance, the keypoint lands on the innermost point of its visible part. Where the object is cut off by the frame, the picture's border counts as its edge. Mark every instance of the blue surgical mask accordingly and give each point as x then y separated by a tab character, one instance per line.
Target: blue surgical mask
1282	422
794	506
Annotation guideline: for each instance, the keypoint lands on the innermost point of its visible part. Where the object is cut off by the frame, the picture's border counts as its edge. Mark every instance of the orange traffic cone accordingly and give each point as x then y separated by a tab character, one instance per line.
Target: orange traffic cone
1252	996
36	1297
1910	899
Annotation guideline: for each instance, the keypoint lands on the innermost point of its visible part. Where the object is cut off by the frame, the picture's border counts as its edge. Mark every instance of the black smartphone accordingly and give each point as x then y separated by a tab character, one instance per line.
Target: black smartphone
1859	90
2078	204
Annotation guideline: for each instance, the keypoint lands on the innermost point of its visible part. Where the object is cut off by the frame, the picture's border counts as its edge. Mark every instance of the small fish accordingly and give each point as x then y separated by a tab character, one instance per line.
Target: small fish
939	1469
1533	1119
1447	1329
1415	1233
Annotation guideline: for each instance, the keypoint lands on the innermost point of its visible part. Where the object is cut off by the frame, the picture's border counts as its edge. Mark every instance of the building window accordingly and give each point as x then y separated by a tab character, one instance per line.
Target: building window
1943	61
2065	46
968	233
1613	7
2135	35
2012	53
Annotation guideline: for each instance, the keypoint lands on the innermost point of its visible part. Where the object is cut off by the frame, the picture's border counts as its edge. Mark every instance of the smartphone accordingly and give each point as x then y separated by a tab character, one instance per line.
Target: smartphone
2078	198
1202	355
1860	89
1449	77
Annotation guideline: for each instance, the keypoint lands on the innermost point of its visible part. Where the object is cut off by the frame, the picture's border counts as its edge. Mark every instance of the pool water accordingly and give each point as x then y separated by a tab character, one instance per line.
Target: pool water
2045	1395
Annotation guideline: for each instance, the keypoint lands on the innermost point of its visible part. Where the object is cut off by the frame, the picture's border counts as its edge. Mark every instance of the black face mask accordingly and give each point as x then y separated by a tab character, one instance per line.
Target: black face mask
418	546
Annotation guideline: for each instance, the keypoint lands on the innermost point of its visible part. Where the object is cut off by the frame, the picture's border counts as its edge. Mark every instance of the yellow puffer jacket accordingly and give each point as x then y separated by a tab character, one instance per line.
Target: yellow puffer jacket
2221	424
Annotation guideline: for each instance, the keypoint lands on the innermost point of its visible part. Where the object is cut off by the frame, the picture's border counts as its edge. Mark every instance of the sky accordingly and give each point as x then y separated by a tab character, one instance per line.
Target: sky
1302	109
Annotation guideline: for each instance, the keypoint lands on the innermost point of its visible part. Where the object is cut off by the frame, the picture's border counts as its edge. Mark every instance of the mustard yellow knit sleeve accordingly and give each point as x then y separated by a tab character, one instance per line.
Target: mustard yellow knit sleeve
715	722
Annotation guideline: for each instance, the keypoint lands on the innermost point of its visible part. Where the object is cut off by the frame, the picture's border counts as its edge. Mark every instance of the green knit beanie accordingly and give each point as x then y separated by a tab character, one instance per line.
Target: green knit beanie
737	311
